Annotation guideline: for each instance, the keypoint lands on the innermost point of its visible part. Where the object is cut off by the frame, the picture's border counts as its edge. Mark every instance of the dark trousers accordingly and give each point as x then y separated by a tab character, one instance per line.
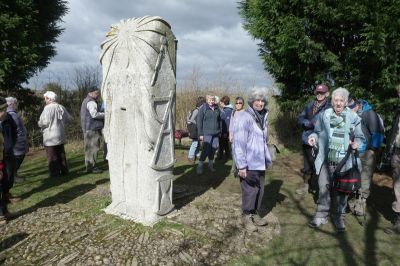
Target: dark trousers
18	161
252	191
9	170
309	159
3	198
57	160
224	148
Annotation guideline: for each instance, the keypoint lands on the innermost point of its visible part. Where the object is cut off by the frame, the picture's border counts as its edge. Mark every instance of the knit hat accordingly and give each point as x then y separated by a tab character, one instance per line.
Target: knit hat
3	103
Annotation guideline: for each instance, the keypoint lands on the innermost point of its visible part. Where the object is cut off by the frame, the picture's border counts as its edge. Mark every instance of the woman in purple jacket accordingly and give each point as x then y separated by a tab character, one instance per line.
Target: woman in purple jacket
252	158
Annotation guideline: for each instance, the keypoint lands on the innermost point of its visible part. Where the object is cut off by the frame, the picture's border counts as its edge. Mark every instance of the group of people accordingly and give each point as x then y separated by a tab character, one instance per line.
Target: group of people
338	132
241	132
330	130
52	122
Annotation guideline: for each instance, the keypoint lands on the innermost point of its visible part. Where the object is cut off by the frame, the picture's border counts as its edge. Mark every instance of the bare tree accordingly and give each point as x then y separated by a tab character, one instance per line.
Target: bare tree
86	77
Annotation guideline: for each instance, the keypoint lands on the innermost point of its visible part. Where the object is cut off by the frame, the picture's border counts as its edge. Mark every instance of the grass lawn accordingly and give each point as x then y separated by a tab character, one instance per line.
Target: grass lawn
298	244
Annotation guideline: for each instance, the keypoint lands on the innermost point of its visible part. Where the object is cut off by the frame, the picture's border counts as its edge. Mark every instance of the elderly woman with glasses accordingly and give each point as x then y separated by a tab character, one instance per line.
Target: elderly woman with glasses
336	128
252	158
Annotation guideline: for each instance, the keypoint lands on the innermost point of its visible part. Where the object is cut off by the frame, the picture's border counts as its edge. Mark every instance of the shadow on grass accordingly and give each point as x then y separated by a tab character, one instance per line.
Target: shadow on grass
381	199
76	162
272	196
62	197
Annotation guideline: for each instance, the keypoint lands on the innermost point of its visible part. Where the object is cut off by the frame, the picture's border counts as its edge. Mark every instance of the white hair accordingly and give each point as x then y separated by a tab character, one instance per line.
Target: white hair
50	95
257	94
217	100
341	92
11	101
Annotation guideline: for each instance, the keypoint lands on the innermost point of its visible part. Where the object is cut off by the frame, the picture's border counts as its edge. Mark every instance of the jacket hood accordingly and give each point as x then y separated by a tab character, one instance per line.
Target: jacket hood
365	105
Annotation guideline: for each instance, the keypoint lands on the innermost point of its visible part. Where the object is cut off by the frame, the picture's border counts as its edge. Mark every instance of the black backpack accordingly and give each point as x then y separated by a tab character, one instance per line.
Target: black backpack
191	127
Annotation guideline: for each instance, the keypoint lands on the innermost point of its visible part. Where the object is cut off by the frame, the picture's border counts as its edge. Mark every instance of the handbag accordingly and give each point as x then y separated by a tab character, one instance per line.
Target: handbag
349	181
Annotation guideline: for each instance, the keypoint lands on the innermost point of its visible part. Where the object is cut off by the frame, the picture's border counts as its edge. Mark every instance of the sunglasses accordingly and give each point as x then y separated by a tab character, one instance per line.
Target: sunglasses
239	103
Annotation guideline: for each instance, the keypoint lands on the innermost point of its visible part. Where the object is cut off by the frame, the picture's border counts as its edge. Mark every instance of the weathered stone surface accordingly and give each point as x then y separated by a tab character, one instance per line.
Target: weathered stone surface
139	82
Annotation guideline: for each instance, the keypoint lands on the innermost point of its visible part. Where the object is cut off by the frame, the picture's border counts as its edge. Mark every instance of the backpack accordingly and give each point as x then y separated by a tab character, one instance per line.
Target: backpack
191	127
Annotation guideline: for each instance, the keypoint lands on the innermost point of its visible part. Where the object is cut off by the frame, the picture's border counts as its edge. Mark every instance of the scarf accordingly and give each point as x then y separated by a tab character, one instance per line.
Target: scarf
317	105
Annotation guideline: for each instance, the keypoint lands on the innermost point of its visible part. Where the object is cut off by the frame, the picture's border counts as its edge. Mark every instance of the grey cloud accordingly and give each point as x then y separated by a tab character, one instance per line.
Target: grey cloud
209	34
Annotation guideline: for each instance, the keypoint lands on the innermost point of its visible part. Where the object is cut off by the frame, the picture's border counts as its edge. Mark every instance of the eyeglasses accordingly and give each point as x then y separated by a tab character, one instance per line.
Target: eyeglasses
239	103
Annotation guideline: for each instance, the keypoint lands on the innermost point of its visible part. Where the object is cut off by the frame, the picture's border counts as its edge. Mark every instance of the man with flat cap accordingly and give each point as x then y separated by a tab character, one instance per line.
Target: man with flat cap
92	122
307	120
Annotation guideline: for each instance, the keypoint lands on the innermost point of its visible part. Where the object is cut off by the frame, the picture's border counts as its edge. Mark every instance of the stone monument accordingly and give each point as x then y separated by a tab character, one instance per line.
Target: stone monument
139	85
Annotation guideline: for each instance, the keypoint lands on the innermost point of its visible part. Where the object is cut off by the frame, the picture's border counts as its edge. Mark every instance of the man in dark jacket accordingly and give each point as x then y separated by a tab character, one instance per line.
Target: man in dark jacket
92	122
9	129
307	120
209	130
374	133
21	147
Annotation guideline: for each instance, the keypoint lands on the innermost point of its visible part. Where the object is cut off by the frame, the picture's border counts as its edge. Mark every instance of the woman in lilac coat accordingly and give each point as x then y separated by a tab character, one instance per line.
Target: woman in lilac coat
252	158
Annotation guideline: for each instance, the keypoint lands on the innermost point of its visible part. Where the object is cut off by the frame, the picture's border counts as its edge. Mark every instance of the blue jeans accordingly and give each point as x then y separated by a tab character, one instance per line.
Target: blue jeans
194	148
210	146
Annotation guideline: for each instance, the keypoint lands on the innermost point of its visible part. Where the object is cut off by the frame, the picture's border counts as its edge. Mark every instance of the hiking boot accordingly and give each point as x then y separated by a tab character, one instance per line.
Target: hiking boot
339	224
3	219
259	221
211	166
9	198
248	223
191	160
199	168
303	189
395	229
359	207
94	170
317	222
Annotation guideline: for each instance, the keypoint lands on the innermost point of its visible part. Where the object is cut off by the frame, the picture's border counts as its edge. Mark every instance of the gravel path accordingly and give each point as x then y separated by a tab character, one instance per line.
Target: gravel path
206	231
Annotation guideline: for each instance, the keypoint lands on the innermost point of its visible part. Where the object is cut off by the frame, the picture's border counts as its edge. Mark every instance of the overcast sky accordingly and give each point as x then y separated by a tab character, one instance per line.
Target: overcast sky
211	40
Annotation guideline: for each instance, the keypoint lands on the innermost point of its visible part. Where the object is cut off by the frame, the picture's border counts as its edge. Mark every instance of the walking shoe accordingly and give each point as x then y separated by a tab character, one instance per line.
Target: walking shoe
303	189
9	198
3	219
211	165
339	224
260	221
191	160
248	223
199	168
94	170
317	222
395	228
